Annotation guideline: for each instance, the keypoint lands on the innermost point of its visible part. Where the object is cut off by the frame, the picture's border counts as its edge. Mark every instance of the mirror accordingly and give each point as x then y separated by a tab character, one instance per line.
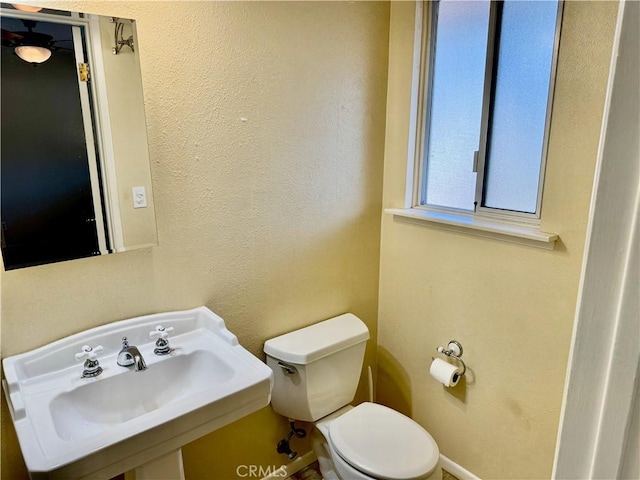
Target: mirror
74	159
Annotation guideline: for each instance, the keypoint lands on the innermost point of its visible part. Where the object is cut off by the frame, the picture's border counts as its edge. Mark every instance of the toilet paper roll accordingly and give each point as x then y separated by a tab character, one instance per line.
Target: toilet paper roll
444	372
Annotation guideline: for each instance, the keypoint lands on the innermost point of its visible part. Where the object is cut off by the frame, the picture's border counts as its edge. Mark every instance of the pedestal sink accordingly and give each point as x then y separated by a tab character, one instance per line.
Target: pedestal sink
97	427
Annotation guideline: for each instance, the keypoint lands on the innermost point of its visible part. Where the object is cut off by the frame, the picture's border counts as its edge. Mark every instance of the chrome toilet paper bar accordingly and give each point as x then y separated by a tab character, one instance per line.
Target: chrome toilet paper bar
454	350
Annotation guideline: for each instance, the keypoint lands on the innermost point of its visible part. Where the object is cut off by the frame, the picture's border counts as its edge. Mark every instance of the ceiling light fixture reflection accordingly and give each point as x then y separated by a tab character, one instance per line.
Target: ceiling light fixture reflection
32	47
32	54
26	8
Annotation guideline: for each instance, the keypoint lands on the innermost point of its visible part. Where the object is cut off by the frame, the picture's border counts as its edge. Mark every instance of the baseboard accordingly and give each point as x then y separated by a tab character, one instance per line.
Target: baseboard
298	464
456	470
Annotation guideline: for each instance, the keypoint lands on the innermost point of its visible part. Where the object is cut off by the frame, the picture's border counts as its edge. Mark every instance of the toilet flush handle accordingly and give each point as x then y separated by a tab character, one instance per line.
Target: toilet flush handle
287	369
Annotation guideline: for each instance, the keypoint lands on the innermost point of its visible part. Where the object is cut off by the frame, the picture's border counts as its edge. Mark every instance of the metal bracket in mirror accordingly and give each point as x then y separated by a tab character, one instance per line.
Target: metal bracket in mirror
118	35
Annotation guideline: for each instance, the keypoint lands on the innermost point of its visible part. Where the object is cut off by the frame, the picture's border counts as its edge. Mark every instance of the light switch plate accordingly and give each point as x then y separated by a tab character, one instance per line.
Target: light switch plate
139	197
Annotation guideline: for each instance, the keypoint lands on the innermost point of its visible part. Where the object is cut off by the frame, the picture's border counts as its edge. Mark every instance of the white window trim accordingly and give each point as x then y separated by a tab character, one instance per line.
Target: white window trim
521	229
478	225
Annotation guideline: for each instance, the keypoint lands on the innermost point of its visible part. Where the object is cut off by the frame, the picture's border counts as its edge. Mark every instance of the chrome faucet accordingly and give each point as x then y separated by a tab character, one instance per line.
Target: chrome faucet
130	355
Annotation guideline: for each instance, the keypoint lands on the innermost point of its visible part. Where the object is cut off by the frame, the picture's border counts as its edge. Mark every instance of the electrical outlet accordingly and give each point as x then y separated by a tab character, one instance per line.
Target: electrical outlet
139	197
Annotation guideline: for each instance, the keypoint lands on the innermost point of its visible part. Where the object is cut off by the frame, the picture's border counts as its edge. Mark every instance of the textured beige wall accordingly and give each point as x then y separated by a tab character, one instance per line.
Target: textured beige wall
510	306
266	130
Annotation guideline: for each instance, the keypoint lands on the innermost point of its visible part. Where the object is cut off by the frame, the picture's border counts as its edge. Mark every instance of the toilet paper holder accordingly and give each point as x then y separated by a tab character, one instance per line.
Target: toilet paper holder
454	350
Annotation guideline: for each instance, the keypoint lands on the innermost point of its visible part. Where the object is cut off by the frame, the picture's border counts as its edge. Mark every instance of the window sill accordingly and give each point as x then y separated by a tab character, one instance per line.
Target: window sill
479	226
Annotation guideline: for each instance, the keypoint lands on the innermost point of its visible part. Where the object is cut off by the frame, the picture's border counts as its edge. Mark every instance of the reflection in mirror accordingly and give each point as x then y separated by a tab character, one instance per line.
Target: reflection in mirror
75	179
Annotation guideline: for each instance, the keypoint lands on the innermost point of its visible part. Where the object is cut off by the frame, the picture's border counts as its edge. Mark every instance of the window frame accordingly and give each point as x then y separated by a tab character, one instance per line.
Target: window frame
427	45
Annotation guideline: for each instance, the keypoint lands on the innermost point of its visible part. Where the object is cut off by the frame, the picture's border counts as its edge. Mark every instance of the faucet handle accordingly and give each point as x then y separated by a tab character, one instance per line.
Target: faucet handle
162	344
89	352
91	366
161	332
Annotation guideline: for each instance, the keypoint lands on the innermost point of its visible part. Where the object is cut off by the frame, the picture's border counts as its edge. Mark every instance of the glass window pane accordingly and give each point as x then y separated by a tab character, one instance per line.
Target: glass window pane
517	127
456	103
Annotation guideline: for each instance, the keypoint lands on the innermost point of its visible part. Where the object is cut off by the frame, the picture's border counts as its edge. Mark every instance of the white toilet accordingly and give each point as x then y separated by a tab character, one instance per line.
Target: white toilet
317	370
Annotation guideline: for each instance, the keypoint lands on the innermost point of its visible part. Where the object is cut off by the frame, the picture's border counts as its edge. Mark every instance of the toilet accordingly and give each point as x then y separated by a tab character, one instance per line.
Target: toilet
316	374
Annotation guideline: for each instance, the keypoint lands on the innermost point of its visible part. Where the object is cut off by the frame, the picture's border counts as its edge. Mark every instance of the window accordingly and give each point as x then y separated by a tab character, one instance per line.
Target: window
487	84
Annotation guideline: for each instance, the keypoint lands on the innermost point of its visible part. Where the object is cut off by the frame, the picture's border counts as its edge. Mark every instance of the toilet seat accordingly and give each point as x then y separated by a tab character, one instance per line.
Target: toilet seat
383	443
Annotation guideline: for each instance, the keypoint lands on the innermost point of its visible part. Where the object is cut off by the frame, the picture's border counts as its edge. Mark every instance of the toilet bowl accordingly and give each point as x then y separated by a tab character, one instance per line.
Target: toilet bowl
370	442
316	373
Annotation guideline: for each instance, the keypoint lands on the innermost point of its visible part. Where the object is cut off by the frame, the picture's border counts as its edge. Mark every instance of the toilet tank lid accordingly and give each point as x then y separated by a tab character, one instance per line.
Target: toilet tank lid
318	340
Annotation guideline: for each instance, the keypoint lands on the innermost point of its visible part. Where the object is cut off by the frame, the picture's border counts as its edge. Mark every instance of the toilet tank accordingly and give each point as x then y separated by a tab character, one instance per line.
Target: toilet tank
317	368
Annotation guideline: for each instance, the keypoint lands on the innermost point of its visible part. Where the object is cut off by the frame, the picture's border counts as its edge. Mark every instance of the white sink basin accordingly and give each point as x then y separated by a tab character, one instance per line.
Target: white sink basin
74	427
